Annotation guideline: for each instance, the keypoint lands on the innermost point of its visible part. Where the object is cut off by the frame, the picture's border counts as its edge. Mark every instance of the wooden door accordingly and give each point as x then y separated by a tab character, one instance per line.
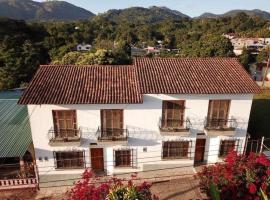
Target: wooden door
199	150
97	159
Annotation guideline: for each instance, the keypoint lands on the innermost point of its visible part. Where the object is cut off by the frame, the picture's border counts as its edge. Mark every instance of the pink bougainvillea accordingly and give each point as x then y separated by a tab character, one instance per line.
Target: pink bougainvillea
240	177
94	188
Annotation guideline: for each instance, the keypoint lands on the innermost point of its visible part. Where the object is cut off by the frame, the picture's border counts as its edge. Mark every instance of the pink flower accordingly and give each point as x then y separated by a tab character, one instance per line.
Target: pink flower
252	188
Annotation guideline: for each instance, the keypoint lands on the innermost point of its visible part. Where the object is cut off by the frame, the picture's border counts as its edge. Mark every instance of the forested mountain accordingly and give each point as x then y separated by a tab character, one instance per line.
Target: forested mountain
233	13
42	11
143	15
26	45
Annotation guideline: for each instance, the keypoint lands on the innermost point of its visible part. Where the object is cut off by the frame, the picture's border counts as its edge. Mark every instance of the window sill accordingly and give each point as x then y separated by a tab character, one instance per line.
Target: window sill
182	158
123	167
69	168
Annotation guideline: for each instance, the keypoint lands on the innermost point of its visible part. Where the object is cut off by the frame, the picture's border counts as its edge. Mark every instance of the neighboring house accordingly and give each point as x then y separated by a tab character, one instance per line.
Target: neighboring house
84	47
137	52
258	71
152	50
17	169
254	45
157	113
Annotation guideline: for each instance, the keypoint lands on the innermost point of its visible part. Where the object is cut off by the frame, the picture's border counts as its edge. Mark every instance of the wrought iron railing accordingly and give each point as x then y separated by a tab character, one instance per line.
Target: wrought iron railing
174	125
112	134
64	135
220	124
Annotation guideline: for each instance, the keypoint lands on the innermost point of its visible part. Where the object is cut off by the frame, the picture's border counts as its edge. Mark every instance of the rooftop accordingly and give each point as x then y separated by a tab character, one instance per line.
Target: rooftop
15	134
118	84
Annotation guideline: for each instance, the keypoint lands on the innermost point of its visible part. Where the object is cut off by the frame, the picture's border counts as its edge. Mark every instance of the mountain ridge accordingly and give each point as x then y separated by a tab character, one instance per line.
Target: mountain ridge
232	13
42	11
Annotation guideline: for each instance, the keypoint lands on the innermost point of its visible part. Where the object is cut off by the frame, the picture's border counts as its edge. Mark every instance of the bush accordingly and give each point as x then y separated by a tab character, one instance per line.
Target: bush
240	177
91	188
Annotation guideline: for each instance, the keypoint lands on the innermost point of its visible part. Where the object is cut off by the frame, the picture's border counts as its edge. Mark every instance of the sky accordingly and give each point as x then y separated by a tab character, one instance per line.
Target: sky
192	8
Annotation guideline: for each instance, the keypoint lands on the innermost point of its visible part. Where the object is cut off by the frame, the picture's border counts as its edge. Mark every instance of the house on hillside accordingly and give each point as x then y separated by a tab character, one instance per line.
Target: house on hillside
84	47
155	114
258	71
17	158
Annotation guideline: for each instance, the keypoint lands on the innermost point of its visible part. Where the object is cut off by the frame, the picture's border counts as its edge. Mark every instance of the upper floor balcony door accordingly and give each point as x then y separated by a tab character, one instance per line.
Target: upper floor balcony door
173	117
65	123
112	123
218	112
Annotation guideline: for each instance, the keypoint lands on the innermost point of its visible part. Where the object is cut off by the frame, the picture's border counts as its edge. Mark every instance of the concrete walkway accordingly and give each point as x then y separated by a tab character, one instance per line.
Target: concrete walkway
169	184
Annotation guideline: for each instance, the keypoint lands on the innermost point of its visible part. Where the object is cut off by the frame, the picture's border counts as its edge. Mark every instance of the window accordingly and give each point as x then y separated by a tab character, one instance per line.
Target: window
172	114
174	150
225	147
123	158
112	122
74	159
218	113
65	123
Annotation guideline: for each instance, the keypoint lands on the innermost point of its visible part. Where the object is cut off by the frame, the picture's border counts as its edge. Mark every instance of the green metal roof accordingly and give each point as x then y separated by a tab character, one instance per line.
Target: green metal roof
15	131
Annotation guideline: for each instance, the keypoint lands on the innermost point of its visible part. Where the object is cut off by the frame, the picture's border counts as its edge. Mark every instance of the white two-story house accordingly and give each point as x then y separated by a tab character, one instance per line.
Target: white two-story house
156	113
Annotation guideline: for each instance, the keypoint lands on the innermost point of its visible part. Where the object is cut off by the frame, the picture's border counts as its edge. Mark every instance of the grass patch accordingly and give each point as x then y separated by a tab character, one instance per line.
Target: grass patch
264	95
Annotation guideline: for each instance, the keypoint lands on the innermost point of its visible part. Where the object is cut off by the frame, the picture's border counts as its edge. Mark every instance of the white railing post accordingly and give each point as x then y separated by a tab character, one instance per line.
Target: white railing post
261	148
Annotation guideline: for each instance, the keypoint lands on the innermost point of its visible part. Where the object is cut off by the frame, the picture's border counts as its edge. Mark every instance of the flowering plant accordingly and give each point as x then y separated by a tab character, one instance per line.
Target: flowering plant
240	177
92	188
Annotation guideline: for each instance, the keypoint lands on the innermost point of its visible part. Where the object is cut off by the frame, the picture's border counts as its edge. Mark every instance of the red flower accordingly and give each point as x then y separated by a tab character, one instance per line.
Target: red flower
252	188
264	186
268	172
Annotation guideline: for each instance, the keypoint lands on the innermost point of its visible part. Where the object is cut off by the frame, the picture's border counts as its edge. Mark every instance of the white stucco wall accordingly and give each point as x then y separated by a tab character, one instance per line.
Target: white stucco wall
142	120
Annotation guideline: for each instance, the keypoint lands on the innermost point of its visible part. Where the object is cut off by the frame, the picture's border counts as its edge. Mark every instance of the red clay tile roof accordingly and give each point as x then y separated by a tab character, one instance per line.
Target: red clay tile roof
193	76
126	84
83	85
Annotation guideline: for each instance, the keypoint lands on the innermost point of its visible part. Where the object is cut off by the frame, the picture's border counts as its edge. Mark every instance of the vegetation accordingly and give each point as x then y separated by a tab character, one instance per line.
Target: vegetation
90	188
23	46
240	177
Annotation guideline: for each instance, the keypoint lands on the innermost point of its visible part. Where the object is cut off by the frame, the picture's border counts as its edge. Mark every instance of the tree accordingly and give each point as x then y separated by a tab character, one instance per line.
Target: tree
246	59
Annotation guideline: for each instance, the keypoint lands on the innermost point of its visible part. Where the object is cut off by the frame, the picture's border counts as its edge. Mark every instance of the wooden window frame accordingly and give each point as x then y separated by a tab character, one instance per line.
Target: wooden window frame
167	150
103	119
56	122
130	157
181	110
225	147
210	117
76	159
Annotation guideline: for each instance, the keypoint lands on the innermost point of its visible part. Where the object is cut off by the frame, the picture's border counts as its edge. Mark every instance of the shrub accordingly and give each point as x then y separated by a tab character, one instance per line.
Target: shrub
240	177
91	188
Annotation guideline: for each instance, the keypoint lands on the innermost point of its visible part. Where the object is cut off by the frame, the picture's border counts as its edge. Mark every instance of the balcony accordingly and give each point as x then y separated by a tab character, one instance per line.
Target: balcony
216	127
174	127
64	137
112	135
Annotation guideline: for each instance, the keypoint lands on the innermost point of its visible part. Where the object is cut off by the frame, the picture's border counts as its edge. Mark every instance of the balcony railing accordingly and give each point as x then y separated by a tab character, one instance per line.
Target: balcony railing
174	125
64	135
112	134
220	124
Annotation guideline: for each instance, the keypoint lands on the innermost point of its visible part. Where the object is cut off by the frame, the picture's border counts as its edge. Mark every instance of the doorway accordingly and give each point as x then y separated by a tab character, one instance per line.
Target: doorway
199	150
97	159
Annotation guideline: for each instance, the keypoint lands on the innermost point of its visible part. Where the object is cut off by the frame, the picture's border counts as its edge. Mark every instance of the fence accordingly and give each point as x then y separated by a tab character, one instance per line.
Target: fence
9	184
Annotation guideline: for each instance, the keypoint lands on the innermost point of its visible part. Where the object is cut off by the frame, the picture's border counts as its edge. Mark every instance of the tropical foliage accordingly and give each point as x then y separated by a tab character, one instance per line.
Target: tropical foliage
23	46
